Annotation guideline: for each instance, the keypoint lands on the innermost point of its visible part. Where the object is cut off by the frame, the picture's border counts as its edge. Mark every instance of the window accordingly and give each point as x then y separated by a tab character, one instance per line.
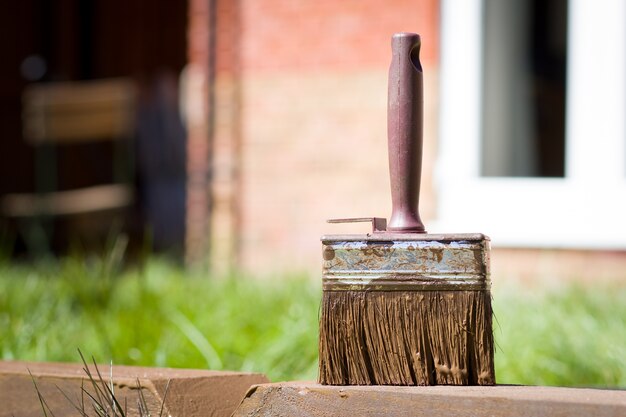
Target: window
524	61
552	173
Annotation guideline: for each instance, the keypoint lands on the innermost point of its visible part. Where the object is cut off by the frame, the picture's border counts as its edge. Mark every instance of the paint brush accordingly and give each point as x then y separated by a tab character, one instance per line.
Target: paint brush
400	306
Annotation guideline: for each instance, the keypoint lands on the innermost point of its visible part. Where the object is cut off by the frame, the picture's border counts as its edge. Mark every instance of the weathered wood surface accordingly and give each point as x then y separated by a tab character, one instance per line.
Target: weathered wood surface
310	399
191	392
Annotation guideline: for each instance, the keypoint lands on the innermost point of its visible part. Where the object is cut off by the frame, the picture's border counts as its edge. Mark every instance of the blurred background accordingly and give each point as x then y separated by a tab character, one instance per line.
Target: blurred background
93	144
227	132
223	133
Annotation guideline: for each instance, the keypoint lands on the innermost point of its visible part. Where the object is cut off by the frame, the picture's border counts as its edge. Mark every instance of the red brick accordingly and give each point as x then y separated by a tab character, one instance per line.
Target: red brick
300	113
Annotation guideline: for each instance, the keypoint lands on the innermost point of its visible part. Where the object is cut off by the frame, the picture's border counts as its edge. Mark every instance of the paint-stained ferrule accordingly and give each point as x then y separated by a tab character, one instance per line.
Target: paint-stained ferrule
406	262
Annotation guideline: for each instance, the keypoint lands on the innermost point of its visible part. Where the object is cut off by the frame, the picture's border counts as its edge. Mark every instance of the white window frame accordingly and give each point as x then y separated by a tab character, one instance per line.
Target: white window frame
587	208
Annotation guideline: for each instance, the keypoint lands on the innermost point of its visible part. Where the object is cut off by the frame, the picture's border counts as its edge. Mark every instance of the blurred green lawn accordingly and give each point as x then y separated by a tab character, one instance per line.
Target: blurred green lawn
158	314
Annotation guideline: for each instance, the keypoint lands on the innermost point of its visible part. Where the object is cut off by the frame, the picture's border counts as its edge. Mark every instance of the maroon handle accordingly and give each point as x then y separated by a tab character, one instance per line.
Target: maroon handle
404	133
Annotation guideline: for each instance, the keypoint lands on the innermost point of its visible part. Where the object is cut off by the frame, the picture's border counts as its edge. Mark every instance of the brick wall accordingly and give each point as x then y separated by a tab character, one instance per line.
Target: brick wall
298	129
325	35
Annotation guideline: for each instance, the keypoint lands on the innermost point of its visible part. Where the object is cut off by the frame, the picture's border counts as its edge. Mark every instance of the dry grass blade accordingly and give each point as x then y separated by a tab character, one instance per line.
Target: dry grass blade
105	388
167	388
95	404
141	402
115	405
101	410
42	400
111	385
104	399
95	386
82	394
81	408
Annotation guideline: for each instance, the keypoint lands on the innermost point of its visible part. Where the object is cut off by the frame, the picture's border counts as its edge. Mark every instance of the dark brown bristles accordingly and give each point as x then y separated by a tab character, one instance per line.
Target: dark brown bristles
406	338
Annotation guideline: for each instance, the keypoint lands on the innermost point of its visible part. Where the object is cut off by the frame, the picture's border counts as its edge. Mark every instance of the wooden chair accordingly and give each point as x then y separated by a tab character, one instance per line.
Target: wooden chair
56	115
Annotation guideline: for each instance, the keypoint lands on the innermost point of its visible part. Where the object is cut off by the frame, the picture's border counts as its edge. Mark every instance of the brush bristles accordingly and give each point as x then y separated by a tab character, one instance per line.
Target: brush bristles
406	338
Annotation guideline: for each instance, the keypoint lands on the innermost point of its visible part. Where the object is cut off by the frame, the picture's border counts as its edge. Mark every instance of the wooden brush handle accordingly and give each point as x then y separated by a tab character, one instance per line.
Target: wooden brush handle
404	132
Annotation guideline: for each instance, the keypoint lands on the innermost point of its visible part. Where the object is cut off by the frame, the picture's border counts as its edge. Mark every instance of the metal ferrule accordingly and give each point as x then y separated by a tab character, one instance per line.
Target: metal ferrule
406	262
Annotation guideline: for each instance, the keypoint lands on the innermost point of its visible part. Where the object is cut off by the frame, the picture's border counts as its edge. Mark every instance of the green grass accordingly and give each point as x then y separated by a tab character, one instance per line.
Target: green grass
160	315
572	335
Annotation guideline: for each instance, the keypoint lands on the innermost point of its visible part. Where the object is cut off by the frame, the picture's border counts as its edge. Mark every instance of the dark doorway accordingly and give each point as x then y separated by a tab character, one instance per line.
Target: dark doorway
44	41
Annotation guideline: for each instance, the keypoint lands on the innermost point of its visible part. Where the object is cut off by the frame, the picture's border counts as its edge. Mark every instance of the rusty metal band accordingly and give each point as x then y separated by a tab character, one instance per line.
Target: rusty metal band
404	281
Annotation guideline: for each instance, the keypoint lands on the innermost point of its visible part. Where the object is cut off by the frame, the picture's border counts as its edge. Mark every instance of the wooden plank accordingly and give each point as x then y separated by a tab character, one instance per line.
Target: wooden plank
191	393
68	202
81	111
311	399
